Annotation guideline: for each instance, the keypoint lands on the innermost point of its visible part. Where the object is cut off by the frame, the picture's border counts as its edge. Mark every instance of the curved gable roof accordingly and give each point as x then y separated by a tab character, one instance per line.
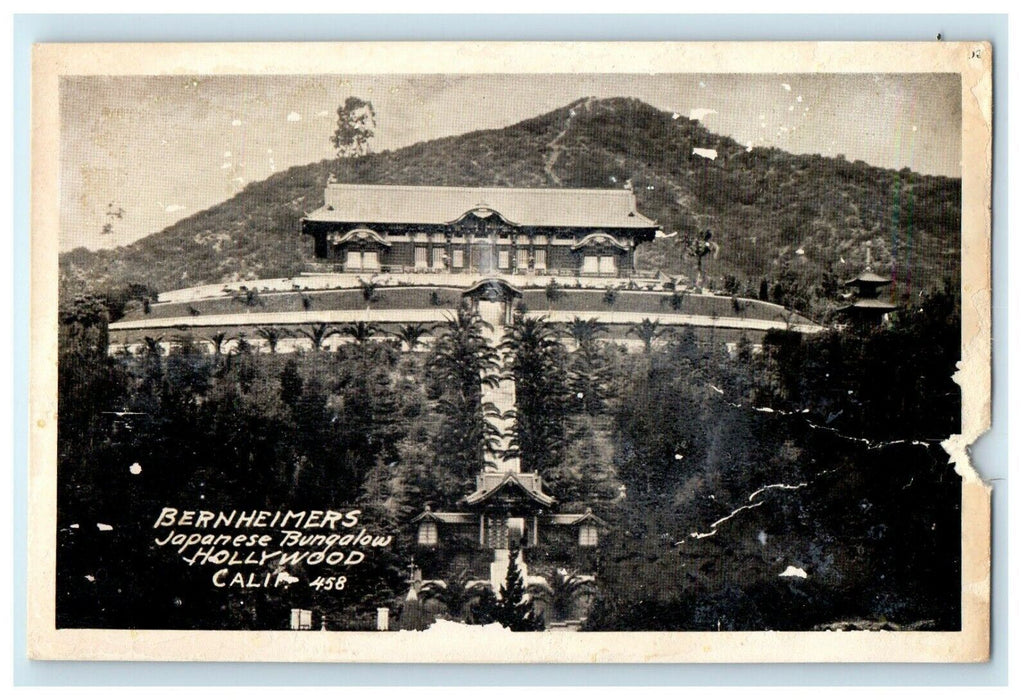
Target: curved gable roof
359	234
526	485
492	285
599	238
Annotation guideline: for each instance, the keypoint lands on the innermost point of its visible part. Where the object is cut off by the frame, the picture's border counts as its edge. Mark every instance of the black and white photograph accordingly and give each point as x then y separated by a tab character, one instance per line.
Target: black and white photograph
440	353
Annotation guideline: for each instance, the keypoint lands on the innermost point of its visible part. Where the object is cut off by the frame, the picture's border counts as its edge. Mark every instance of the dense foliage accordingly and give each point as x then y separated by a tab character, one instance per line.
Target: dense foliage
462	360
538	365
715	473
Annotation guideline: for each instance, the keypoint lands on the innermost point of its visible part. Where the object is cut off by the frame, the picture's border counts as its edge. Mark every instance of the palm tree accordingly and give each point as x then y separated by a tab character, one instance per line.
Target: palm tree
566	588
698	248
243	346
152	346
318	333
647	331
272	336
360	331
248	297
455	594
411	335
368	290
218	339
585	332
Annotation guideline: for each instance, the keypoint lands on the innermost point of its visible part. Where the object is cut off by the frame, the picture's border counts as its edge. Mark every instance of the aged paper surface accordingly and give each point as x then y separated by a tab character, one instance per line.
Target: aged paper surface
72	598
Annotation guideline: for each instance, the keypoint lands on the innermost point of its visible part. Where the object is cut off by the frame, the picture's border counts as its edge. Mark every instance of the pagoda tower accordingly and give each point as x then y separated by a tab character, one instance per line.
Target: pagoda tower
867	309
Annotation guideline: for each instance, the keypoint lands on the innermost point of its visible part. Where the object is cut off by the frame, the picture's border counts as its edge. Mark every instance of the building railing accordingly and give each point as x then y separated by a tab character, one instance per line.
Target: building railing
341	268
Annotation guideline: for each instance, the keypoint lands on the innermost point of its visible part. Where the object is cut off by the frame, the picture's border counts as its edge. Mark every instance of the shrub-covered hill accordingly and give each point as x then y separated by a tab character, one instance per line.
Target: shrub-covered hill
765	207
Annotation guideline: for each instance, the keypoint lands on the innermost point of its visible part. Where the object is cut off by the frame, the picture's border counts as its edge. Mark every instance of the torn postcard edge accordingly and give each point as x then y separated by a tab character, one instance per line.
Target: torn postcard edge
505	282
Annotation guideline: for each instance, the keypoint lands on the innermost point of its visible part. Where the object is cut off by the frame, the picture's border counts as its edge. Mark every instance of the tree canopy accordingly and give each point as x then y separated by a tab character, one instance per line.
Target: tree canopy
355	127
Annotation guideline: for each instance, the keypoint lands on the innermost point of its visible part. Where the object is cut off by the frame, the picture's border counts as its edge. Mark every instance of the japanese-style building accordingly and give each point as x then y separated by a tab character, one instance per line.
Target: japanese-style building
390	255
506	508
867	309
481	230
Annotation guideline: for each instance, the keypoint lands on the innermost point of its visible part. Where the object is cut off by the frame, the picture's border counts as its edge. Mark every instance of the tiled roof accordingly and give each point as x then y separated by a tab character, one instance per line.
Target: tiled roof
868	277
574	518
403	204
488	483
447	518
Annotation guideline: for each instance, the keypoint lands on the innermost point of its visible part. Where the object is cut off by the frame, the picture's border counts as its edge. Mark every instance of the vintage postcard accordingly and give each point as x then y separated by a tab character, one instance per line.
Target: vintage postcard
501	352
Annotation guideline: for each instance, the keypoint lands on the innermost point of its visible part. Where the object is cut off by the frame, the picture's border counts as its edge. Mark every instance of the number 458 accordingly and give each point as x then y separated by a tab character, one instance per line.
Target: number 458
329	583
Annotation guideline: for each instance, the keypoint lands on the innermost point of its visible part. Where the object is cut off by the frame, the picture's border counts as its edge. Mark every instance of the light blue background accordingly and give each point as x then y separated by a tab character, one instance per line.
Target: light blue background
990	455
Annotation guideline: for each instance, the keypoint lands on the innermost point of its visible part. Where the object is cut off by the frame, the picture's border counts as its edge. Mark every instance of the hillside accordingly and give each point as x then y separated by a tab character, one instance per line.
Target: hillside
764	206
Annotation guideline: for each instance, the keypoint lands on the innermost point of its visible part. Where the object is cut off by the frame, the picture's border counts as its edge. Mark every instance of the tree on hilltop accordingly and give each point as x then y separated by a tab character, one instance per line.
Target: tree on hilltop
355	127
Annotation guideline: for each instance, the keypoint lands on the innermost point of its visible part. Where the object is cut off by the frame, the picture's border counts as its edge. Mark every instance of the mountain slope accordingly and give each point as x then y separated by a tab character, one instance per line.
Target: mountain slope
765	207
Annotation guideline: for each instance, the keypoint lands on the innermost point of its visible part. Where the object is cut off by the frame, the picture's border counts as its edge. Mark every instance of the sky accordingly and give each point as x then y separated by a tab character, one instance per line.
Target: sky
138	153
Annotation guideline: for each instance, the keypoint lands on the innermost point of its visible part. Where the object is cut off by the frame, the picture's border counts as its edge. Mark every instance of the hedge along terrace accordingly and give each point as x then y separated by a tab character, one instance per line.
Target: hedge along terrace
386	298
644	303
271	302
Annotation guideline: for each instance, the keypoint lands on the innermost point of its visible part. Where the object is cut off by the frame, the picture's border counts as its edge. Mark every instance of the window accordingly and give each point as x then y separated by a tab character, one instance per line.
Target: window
458	257
370	260
299	619
428	535
504	259
523	257
540	259
353	260
590	265
588	535
497	536
438	256
607	265
421	256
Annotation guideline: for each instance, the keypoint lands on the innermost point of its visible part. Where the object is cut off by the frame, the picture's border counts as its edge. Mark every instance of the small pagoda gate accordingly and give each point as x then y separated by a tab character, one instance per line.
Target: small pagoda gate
505	509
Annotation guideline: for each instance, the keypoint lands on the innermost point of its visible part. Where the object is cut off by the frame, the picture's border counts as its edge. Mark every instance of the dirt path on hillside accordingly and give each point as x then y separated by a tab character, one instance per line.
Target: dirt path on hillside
553	146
